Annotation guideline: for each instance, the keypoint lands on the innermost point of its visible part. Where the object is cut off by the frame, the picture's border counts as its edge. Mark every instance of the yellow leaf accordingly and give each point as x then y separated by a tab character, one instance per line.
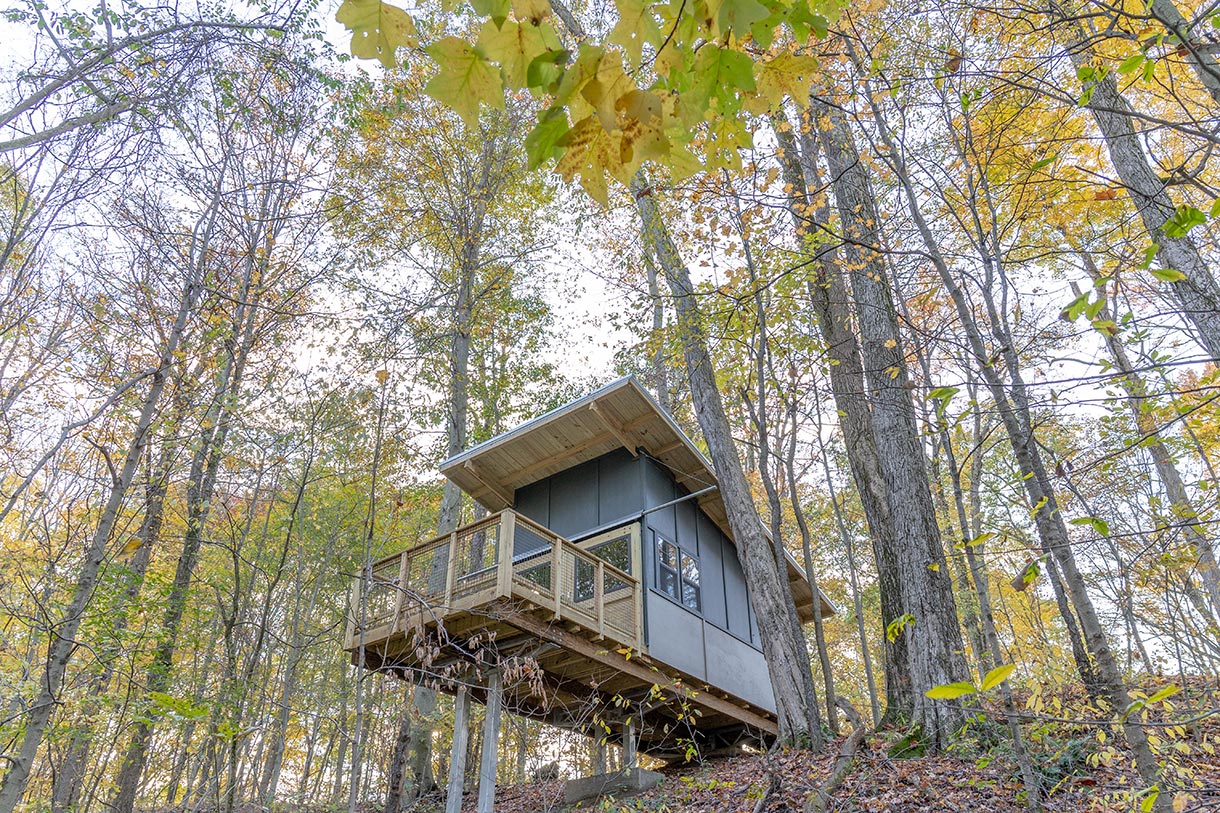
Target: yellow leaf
465	79
785	75
515	46
636	26
534	11
378	29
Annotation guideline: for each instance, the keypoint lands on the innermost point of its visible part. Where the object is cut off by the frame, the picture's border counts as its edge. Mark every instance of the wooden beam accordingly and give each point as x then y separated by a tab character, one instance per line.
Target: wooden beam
525	475
645	674
489	483
614	428
669	447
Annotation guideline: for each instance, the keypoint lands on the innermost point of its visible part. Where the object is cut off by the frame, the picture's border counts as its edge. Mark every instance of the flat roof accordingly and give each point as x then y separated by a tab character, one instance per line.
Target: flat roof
620	414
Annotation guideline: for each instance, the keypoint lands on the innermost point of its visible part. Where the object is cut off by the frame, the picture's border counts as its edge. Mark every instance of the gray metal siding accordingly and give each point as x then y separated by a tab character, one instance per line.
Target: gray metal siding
711	549
737	667
681	643
736	597
620	494
534	501
721	646
574	500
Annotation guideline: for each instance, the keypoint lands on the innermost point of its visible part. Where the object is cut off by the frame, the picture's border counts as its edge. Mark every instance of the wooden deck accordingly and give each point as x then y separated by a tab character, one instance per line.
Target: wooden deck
565	626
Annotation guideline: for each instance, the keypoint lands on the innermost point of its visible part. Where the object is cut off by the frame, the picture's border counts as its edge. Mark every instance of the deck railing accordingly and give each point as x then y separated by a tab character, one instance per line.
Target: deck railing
504	555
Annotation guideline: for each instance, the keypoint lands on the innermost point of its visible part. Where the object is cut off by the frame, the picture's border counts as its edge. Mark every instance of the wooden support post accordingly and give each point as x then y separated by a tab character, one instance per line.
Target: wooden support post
491	743
504	573
451	570
629	745
457	757
400	592
556	581
599	595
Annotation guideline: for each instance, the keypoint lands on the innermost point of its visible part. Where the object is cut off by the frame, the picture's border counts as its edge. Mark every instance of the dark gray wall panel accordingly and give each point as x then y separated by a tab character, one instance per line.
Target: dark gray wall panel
677	635
534	502
688	539
619	492
735	593
737	668
574	500
711	553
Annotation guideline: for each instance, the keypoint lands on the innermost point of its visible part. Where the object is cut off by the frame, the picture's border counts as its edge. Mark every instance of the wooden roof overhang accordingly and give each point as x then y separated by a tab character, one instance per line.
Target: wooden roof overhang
620	414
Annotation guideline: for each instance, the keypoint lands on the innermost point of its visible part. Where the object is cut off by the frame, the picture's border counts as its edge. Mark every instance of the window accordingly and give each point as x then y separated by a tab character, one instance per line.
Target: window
678	575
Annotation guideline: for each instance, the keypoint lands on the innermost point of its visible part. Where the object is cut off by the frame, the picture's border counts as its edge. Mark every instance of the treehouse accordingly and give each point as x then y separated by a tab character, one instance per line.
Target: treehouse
604	568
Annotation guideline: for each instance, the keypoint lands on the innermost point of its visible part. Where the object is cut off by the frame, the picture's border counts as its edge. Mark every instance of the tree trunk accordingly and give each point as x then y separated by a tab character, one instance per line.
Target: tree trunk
1197	296
780	629
934	643
829	298
63	644
1014	413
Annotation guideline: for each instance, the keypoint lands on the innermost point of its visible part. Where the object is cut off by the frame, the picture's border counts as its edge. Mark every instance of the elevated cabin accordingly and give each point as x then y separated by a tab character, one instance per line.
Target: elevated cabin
606	559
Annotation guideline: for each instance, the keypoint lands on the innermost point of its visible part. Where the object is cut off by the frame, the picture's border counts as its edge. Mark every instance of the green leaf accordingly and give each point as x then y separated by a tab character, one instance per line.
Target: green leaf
719	74
1149	255
541	143
515	46
737	15
497	10
1149	800
1131	63
894	629
1167	274
1183	220
183	708
636	26
378	29
997	676
1045	162
1099	525
951	691
1168	691
980	539
465	79
1076	307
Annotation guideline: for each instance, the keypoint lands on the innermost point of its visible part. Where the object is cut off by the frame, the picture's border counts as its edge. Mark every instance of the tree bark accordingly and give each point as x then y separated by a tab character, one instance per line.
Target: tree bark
831	306
1198	295
934	653
780	629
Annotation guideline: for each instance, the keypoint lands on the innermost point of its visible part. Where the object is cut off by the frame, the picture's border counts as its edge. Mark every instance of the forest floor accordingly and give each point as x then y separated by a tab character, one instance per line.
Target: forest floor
1081	769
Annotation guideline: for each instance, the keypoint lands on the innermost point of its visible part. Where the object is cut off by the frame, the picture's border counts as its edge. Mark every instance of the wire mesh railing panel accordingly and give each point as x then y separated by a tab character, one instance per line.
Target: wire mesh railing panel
478	551
380	595
619	606
427	569
548	571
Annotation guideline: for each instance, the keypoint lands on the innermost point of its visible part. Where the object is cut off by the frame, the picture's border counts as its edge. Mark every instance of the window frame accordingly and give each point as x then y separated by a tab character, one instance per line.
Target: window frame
677	574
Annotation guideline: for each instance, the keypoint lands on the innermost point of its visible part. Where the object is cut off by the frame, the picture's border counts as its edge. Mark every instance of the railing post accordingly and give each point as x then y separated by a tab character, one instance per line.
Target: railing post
556	580
396	623
451	570
599	594
504	573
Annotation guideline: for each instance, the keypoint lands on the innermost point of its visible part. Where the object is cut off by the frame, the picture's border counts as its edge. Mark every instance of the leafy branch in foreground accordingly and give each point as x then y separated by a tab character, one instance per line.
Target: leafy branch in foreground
674	82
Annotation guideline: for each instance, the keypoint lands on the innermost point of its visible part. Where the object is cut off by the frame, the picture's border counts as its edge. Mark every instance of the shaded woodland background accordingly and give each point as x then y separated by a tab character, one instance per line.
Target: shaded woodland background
251	292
